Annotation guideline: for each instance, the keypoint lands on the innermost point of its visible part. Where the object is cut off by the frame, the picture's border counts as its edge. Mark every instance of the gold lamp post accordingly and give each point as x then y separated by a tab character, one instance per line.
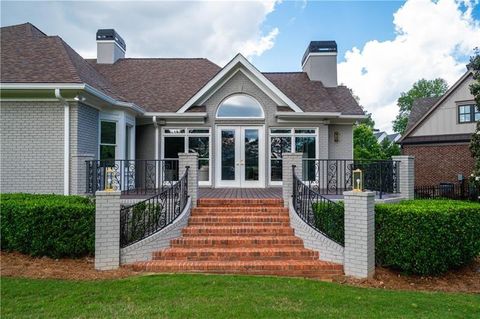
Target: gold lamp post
109	179
357	180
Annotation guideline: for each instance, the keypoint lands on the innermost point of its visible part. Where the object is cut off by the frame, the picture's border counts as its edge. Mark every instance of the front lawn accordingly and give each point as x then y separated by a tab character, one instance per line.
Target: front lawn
212	296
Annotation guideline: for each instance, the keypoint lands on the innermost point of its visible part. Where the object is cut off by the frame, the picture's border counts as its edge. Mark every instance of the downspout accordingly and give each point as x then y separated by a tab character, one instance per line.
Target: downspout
157	162
66	142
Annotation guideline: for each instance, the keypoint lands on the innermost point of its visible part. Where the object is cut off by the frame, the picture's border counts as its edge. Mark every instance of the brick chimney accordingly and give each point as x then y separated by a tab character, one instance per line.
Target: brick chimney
320	62
110	46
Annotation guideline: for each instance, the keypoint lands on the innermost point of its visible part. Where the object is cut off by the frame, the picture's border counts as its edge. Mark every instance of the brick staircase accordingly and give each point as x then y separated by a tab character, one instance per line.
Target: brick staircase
240	236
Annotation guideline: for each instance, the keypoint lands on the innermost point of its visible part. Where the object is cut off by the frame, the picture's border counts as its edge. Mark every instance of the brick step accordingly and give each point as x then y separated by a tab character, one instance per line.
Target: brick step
232	254
239	202
240	220
237	241
237	231
248	209
300	268
239	213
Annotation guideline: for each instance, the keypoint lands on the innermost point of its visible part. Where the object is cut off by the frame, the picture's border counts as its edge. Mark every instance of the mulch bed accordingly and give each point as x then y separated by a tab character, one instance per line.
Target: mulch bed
466	279
14	264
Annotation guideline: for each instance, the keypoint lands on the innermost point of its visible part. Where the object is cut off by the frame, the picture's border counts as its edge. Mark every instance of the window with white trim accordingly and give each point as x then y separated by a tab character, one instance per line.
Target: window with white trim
108	140
286	140
240	106
192	140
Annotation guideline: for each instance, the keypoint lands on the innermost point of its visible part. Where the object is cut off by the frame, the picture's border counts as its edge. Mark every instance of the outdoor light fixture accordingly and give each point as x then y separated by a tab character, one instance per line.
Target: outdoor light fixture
357	180
109	179
79	98
336	136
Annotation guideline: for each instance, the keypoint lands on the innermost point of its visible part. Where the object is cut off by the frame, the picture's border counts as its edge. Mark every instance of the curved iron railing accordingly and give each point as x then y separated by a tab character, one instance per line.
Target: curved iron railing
147	217
131	176
320	213
334	176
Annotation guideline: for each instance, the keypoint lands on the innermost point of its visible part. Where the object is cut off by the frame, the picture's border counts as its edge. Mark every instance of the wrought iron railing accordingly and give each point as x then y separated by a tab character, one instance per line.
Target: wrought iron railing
147	217
334	176
131	176
458	191
320	213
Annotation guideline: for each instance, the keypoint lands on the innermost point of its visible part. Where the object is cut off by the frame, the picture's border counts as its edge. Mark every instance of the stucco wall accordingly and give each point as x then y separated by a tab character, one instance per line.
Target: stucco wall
31	147
444	119
145	141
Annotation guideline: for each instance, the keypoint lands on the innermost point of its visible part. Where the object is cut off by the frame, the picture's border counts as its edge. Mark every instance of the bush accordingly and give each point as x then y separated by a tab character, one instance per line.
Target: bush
329	219
47	225
427	237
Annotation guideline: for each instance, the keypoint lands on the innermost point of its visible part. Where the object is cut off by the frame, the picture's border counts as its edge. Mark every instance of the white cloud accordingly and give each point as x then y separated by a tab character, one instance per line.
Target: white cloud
215	30
433	39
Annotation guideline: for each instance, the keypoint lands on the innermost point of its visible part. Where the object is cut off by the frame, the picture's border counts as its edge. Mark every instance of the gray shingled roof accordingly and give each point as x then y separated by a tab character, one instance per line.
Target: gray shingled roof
162	85
419	108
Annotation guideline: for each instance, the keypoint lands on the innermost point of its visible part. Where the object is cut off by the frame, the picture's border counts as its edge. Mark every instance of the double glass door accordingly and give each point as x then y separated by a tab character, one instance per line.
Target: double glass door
240	156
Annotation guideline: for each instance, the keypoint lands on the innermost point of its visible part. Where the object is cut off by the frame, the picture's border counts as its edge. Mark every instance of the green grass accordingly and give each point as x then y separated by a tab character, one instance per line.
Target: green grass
209	296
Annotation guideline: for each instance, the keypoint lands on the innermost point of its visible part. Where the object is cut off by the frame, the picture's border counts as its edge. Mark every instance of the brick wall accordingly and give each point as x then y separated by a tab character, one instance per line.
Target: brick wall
440	163
31	147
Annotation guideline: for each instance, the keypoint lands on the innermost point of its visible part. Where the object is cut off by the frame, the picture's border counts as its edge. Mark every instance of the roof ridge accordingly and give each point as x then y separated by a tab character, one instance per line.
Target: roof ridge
67	58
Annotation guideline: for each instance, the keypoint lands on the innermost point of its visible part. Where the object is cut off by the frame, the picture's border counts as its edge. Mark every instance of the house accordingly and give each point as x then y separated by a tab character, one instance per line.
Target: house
392	138
438	135
59	110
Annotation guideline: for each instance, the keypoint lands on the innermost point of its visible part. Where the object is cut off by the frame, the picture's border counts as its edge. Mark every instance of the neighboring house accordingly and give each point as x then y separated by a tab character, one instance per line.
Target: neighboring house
380	136
59	110
438	134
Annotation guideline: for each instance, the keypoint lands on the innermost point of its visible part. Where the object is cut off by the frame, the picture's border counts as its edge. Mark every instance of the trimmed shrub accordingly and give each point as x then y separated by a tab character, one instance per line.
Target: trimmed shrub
47	225
427	237
329	219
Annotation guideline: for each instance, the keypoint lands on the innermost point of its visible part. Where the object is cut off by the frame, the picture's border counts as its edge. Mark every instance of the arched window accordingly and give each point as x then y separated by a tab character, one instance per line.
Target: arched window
240	106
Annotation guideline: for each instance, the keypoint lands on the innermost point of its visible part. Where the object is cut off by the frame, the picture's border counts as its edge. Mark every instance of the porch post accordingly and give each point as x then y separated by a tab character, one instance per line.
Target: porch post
190	160
406	175
288	160
107	230
157	157
359	259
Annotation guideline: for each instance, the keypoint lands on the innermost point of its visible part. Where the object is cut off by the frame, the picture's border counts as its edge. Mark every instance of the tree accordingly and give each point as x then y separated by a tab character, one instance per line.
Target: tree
474	66
365	145
389	149
420	89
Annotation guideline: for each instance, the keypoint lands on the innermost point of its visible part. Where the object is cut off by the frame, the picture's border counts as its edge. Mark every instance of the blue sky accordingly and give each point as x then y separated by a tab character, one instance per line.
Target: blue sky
384	46
350	23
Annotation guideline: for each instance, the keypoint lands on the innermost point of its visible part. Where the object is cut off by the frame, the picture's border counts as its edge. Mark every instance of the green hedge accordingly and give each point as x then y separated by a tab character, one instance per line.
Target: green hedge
47	225
329	219
427	237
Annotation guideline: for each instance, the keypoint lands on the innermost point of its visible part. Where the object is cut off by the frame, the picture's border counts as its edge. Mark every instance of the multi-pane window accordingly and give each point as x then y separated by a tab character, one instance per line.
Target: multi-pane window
193	140
468	113
108	140
286	140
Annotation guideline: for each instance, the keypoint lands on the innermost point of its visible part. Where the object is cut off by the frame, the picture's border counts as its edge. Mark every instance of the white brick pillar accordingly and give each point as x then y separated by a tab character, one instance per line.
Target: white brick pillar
359	260
288	160
190	160
107	230
406	174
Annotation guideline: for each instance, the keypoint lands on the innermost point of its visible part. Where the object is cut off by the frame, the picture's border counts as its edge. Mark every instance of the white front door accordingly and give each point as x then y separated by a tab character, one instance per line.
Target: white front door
240	157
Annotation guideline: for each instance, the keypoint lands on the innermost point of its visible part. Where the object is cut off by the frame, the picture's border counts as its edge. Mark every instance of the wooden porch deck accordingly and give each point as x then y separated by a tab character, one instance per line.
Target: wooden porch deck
272	192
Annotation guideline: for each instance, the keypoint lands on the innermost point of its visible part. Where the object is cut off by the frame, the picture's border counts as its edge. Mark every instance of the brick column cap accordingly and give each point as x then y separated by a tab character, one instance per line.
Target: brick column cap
108	193
359	194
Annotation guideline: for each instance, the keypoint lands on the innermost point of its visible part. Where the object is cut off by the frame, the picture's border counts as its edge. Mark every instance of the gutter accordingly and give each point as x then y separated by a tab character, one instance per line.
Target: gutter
73	86
66	142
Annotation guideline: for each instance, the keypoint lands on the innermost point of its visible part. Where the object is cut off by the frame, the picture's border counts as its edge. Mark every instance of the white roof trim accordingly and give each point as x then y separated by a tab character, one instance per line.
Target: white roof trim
239	59
72	86
434	107
176	115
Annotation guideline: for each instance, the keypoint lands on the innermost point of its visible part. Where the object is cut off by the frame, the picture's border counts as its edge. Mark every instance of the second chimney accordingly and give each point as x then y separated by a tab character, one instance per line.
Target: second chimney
320	62
110	46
